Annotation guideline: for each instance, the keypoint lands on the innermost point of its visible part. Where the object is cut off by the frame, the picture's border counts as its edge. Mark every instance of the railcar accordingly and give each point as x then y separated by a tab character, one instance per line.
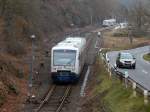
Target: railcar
109	22
68	59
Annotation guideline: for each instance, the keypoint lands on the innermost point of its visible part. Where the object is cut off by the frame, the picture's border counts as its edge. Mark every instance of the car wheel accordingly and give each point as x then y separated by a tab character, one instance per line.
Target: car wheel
118	65
134	67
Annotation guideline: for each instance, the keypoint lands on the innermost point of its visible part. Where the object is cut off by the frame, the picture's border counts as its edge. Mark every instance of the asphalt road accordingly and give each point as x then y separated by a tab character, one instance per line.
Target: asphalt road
141	74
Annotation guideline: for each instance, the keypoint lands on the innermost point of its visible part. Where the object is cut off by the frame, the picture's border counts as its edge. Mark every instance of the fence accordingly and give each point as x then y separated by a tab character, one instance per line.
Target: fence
128	81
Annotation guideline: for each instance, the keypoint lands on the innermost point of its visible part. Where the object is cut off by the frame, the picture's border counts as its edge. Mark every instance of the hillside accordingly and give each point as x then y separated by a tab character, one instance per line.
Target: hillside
44	18
13	84
48	20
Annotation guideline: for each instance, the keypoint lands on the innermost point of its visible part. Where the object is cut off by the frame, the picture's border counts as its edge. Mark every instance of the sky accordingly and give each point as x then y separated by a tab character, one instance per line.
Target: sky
127	2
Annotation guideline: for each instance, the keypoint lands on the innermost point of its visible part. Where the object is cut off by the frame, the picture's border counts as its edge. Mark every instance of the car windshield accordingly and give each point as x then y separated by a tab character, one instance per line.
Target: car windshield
126	56
64	57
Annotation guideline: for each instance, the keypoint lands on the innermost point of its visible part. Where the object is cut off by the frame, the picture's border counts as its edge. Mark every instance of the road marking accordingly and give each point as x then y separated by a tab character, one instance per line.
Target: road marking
144	71
147	62
82	93
141	56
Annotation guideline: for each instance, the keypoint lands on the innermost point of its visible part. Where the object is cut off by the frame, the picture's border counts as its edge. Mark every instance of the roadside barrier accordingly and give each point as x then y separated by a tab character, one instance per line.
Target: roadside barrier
124	77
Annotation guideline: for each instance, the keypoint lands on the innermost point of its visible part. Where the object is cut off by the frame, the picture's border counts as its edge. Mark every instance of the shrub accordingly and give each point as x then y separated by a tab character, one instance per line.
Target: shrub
2	100
20	73
3	92
120	33
139	33
13	88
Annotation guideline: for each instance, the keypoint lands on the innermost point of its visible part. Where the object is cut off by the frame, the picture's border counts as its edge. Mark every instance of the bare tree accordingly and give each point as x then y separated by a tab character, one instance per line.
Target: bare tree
50	16
138	14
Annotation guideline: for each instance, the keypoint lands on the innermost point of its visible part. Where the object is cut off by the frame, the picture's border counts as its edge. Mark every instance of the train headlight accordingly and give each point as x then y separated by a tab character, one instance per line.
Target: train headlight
54	69
73	69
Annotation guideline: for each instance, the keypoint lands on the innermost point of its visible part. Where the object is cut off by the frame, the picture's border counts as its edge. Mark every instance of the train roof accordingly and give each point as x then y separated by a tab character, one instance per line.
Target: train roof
73	43
109	20
75	39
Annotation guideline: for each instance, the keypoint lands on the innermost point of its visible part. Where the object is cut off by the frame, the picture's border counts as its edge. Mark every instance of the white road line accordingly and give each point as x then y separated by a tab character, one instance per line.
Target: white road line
82	93
141	56
144	71
147	62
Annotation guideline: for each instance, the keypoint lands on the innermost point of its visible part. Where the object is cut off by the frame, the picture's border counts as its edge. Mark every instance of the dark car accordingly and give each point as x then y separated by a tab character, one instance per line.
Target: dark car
126	60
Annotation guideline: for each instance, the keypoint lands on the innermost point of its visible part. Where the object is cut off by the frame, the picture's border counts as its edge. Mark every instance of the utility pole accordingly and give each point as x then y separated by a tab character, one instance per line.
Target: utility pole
31	66
130	34
91	19
149	50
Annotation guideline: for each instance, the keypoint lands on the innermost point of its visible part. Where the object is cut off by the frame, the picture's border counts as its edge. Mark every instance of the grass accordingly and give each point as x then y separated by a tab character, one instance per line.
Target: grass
147	57
120	33
116	97
117	43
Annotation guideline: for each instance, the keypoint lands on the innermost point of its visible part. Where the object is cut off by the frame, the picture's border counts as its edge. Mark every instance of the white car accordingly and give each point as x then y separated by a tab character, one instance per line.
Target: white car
126	60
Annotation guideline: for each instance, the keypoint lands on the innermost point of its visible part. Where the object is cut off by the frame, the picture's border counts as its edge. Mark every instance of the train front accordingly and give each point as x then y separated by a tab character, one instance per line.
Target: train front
63	65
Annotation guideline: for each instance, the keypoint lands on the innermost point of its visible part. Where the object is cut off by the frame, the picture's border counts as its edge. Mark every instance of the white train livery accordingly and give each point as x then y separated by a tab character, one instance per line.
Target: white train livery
109	22
68	59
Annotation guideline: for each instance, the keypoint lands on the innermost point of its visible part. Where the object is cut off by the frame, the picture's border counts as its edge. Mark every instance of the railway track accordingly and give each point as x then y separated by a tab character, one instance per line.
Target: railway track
55	99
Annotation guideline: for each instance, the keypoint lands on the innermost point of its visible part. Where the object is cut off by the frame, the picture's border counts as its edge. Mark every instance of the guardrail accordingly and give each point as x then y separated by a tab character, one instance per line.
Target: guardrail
125	78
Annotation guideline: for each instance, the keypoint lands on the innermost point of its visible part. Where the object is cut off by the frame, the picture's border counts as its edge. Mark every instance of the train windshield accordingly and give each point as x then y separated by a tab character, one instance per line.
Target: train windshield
64	57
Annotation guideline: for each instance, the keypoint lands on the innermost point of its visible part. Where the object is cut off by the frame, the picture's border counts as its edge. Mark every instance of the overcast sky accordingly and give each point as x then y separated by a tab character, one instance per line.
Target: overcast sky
127	2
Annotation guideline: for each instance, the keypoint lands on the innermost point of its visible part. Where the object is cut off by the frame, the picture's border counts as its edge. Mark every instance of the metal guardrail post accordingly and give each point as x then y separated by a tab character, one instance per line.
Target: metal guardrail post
145	97
108	67
126	78
134	89
109	70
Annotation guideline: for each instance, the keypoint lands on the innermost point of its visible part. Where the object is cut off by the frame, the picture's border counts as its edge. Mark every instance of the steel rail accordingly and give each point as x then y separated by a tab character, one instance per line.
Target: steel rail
46	98
63	99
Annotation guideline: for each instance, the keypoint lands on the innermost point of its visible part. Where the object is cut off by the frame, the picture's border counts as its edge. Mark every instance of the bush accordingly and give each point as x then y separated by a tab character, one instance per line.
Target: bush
13	88
120	33
139	32
15	48
3	92
20	73
2	100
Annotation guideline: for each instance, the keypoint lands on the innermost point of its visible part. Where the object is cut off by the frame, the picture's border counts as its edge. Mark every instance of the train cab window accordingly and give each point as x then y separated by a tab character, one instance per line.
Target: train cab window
64	57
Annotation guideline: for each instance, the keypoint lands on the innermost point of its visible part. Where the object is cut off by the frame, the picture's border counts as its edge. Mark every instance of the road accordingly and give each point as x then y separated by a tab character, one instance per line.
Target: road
141	74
